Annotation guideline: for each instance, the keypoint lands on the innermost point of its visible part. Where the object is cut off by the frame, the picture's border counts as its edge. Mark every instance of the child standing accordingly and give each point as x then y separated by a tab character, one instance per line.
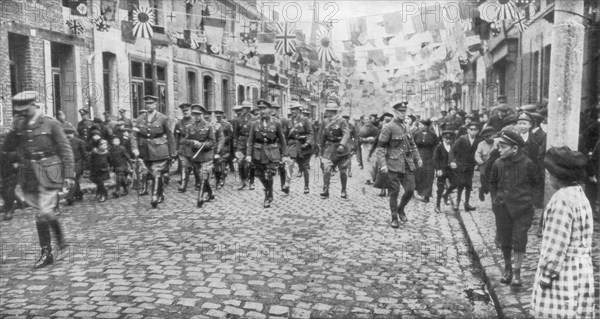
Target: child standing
99	169
119	161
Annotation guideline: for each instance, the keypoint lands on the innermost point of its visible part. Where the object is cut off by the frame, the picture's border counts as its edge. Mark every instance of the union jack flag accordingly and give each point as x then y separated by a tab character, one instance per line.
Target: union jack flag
285	40
75	26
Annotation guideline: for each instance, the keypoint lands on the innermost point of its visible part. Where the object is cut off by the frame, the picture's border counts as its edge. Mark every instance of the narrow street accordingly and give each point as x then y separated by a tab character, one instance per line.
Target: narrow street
305	257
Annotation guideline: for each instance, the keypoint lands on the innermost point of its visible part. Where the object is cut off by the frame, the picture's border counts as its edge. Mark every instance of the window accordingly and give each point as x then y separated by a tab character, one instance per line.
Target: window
192	84
546	72
254	94
141	74
17	47
241	96
535	80
209	90
108	60
225	95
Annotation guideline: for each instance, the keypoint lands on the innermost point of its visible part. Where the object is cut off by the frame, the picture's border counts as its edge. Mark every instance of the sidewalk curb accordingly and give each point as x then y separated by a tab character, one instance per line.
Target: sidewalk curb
484	275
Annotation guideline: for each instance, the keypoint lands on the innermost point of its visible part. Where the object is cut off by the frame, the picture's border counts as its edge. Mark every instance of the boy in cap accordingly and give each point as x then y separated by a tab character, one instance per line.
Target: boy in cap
441	164
512	181
462	161
397	154
79	155
46	152
482	155
119	161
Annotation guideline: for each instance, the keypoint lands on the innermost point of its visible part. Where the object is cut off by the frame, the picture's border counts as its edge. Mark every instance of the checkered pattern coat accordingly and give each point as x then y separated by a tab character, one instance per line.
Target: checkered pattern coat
565	258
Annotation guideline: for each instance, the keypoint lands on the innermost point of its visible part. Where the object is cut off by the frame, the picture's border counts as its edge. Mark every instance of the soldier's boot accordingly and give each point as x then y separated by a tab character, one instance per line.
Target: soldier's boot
58	233
326	180
458	198
251	175
46	257
271	181
468	207
394	223
196	179
218	179
438	200
344	180
403	202
155	182
306	180
161	188
208	189
200	201
517	280
184	180
143	187
223	179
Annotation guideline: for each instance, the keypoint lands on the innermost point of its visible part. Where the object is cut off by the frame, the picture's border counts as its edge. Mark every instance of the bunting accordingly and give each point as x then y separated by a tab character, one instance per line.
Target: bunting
357	28
348	59
143	21
418	23
392	22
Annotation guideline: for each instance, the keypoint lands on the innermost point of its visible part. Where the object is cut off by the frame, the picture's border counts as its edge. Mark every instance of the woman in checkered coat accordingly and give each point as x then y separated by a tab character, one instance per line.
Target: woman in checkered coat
564	282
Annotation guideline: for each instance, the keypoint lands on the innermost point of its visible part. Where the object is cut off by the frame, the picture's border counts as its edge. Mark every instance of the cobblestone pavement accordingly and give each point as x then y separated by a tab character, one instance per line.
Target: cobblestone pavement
514	302
305	257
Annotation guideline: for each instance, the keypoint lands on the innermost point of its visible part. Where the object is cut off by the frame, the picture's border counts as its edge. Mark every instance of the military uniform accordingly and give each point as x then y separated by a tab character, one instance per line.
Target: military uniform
353	141
335	150
46	159
84	126
184	150
153	141
397	152
241	130
300	139
224	134
200	137
284	178
266	146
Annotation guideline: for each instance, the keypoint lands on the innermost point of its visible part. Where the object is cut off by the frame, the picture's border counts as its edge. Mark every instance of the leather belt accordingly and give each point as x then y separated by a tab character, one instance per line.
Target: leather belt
37	156
151	136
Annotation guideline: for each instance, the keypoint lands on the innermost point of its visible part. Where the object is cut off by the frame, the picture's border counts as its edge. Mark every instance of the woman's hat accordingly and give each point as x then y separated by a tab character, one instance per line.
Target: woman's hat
565	164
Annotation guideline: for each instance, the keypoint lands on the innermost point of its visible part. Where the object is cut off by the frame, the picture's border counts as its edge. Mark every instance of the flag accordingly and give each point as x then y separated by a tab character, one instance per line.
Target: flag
285	40
249	32
357	28
78	7
401	54
348	59
324	46
392	22
377	57
143	21
418	23
101	24
128	5
127	32
507	11
75	27
265	43
109	9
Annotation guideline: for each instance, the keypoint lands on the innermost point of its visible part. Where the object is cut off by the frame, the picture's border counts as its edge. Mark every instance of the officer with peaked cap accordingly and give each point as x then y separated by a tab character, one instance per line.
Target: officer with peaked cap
46	165
241	130
300	140
153	142
397	154
284	179
353	140
83	126
224	135
184	150
266	148
334	141
200	136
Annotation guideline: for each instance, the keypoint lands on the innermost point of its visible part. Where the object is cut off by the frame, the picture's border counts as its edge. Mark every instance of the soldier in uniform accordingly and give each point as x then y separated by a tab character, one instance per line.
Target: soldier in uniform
184	151
266	148
224	134
285	126
46	164
241	130
335	150
79	155
200	137
396	155
300	139
83	127
153	143
353	139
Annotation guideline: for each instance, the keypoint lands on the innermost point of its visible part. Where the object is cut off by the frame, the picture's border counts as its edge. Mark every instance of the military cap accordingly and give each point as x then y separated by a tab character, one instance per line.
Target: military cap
434	119
295	106
185	105
306	112
83	111
537	116
331	106
150	98
469	116
143	111
246	104
502	107
218	112
511	137
487	130
524	116
511	119
263	104
197	108
68	128
476	124
238	107
22	100
275	105
400	105
412	117
384	115
448	133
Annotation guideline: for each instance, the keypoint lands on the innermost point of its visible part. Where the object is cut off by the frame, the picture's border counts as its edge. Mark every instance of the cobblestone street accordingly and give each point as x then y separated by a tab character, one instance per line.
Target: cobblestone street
305	257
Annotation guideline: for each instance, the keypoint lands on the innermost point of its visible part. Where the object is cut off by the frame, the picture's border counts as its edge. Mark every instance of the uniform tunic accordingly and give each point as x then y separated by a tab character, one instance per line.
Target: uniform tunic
299	139
426	140
335	132
241	129
201	134
565	258
153	139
